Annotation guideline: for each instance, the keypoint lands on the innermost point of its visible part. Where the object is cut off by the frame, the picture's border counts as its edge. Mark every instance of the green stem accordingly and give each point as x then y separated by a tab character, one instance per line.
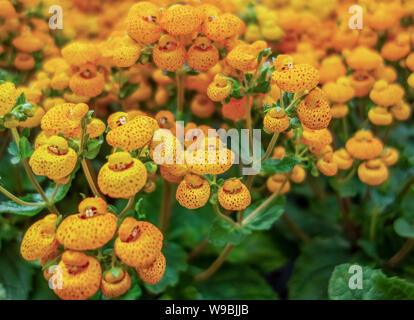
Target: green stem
405	249
89	178
373	224
215	265
224	217
249	125
19	201
295	228
128	206
344	124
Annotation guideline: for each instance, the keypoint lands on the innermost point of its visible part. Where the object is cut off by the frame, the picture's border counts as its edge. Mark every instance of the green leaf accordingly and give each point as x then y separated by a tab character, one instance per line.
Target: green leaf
238	283
176	263
267	216
272	166
349	188
222	233
26	149
92	148
314	266
115	271
140	210
375	285
403	228
133	294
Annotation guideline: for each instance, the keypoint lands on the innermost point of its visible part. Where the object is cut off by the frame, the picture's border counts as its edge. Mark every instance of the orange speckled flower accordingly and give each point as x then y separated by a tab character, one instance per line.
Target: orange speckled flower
343	159
134	134
380	19
27	43
8	96
169	54
65	119
60	81
316	140
386	73
327	165
373	172
219	89
410	61
389	156
397	49
363	58
142	22
339	110
202	55
234	195
81	276
95	128
56	65
243	57
161	78
202	106
294	78
216	28
331	69
193	192
54	159
181	19
7	10
112	286
126	56
278	183
298	174
385	94
167	175
276	120
364	145
380	116
87	82
34	121
340	91
81	53
89	229
362	82
154	273
139	243
314	111
32	95
401	111
24	61
122	176
235	109
40	240
211	158
41	139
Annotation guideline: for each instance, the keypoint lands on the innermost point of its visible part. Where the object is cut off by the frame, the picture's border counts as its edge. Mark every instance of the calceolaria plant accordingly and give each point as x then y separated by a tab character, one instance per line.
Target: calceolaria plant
199	149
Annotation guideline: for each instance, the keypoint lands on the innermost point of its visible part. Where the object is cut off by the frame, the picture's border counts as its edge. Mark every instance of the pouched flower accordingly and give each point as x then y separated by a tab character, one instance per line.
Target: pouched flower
373	172
316	140
115	286
54	159
7	10
210	158
161	96
169	54
363	58
139	243
367	37
81	53
401	111
314	111
235	109
40	239
339	110
410	61
294	78
389	156
87	82
276	120
95	128
89	229
202	106
56	65
364	146
143	22
8	97
380	116
153	273
34	121
24	61
278	183
181	20
380	19
219	89
343	159
202	55
340	91
134	134
168	176
298	174
397	49
362	82
243	57
167	150
385	94
122	176
126	55
386	73
193	192
60	81
216	28
327	165
331	69
80	275
234	195
65	119
27	42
